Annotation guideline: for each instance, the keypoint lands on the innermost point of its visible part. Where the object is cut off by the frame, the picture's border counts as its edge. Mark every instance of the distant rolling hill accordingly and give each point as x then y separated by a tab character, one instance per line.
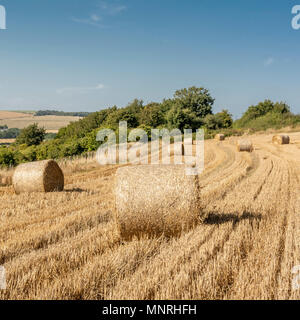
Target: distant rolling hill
20	120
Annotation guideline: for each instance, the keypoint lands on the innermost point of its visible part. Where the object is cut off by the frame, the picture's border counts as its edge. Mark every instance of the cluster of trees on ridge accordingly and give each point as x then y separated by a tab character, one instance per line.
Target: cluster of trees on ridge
189	109
61	113
11	133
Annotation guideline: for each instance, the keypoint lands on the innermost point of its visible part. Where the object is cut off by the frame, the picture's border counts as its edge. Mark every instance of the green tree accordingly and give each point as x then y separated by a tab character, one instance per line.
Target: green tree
152	116
29	153
9	133
281	107
198	100
89	142
224	119
31	136
129	114
182	119
70	148
219	120
212	122
7	157
135	106
80	128
167	105
147	129
260	110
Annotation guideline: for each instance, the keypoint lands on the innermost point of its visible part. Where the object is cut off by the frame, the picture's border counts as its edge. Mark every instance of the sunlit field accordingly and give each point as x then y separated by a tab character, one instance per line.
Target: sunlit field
22	120
65	245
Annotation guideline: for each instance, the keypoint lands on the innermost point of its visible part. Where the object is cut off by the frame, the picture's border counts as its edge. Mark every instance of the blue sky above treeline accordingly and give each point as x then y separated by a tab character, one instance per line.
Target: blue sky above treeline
85	55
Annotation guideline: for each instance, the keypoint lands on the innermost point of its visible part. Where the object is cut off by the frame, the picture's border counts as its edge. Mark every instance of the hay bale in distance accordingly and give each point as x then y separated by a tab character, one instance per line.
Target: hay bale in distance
220	137
40	176
281	139
155	199
190	161
6	181
244	146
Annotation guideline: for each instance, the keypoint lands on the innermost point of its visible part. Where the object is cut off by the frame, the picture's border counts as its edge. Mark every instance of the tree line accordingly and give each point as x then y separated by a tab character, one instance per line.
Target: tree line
190	108
61	113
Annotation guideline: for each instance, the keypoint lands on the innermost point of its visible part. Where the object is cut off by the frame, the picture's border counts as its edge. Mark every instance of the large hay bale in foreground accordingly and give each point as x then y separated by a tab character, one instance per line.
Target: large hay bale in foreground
244	146
281	139
156	199
40	176
220	137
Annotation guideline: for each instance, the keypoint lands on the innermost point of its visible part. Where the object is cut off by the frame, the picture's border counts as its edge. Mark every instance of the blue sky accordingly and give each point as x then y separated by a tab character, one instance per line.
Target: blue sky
85	55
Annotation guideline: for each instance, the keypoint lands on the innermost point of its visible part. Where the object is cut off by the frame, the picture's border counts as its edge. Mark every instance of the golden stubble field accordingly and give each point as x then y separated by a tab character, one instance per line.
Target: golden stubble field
21	120
65	246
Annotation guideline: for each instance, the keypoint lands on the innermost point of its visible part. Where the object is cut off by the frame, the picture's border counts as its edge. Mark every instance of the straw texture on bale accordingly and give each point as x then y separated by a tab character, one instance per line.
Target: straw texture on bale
156	199
244	145
220	137
40	176
281	139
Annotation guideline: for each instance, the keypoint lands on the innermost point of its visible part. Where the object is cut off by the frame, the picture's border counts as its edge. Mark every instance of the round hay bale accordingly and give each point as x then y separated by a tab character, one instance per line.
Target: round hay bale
244	146
190	161
40	176
220	137
156	199
281	139
6	181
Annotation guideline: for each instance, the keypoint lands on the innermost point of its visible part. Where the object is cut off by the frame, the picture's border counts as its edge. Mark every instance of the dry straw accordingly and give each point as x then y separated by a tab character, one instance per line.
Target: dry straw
220	137
281	139
176	149
6	181
40	176
244	145
156	199
188	147
180	149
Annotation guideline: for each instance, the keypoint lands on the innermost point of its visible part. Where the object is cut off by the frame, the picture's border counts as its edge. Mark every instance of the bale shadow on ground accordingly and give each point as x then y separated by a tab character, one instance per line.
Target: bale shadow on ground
220	218
79	190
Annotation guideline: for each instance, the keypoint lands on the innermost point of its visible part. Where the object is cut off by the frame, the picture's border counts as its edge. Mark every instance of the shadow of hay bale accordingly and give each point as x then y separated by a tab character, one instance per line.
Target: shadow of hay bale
78	190
220	218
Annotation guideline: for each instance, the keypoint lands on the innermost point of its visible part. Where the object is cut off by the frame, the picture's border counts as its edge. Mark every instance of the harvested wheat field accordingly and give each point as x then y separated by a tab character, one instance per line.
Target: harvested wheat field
5	115
65	245
7	141
21	120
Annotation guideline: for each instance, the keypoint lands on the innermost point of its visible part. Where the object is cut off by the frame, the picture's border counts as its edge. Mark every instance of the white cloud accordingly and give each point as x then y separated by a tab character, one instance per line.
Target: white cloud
92	20
107	9
111	9
95	17
117	9
79	90
268	62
